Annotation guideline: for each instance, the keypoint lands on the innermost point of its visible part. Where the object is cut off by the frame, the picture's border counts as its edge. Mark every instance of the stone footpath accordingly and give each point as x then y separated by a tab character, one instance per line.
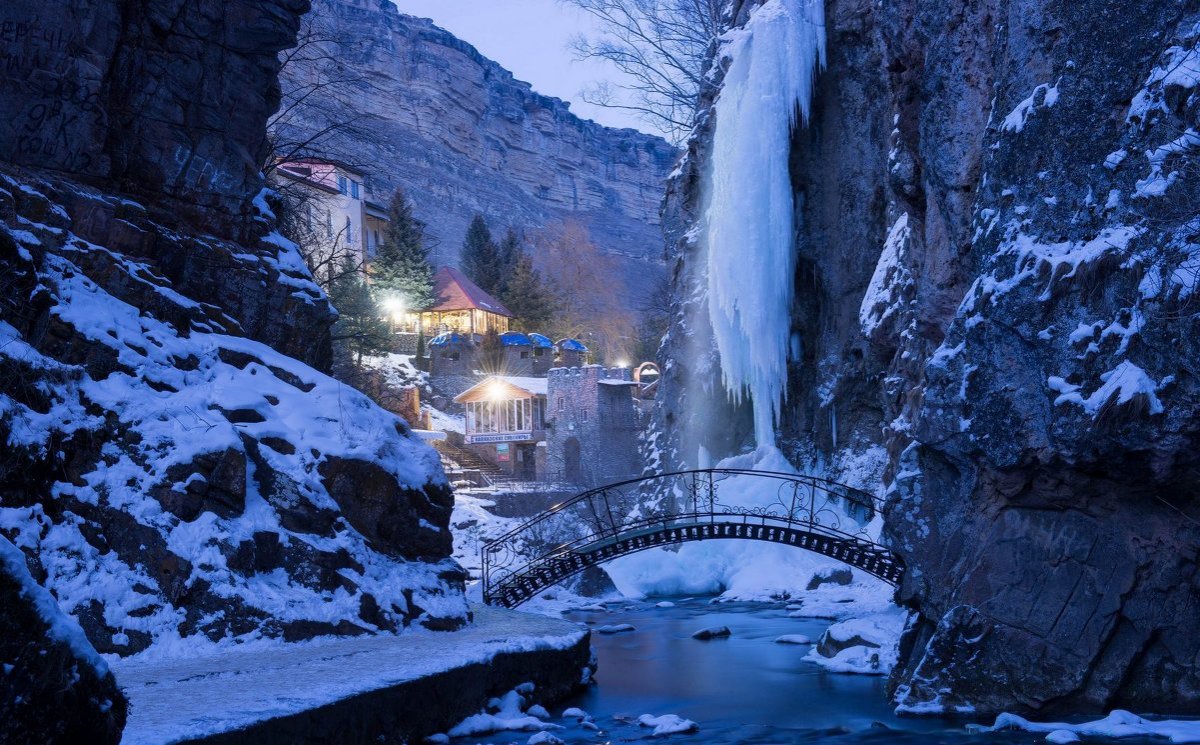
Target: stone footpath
379	689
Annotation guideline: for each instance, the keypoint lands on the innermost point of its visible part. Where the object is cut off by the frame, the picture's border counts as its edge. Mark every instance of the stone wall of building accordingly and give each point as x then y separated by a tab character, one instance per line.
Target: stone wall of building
593	439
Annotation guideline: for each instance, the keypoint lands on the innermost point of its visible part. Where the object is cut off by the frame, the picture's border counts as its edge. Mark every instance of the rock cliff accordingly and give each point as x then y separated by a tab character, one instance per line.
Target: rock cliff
177	470
996	268
460	135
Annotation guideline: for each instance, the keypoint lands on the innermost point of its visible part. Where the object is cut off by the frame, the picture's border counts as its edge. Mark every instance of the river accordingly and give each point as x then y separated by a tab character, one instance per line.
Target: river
742	689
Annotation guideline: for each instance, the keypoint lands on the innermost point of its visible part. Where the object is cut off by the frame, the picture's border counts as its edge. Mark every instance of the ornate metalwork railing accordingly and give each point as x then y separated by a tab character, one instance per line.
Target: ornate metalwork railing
637	514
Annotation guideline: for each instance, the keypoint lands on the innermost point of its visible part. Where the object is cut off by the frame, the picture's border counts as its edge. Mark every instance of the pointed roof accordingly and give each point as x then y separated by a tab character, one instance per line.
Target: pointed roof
453	291
503	388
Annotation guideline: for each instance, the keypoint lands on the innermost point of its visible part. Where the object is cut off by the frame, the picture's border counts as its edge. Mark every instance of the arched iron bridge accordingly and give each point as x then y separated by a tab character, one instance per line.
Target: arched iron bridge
623	518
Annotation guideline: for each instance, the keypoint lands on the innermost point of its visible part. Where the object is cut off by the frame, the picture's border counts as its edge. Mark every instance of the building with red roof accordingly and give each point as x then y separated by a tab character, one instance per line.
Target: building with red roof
460	305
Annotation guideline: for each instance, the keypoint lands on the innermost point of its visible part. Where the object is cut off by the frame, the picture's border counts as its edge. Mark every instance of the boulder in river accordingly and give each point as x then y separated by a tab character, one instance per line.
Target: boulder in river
714	632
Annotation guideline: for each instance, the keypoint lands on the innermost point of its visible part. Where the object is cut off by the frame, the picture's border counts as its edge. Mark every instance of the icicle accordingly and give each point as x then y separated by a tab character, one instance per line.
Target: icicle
750	231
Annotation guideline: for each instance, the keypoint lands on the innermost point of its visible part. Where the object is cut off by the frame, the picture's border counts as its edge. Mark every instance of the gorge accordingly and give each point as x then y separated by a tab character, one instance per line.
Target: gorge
939	255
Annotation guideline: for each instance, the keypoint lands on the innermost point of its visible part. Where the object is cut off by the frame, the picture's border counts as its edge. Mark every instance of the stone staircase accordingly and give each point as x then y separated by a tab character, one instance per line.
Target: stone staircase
455	458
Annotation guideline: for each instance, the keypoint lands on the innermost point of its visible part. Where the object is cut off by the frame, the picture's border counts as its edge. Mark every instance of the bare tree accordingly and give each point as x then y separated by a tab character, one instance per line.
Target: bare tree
662	47
320	93
588	287
303	219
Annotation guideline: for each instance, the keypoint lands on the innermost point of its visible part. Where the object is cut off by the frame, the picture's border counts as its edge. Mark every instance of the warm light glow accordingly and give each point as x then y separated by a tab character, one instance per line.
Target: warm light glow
622	363
496	391
393	305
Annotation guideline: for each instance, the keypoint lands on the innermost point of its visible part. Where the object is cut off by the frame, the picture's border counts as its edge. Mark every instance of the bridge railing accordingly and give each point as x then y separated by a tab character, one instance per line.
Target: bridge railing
683	497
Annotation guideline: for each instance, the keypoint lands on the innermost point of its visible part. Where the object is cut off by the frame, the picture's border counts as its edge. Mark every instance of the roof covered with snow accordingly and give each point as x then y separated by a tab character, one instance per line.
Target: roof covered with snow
538	340
571	345
452	290
503	388
515	339
450	337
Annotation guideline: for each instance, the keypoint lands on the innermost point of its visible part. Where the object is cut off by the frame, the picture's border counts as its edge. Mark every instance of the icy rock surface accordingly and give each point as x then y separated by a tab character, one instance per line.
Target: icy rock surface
994	241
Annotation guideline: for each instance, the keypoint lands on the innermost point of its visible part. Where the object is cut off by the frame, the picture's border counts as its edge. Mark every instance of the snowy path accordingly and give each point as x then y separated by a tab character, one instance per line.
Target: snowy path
179	699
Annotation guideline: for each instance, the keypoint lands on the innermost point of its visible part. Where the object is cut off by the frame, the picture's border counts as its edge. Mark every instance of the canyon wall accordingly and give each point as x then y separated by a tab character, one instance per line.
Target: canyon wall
178	472
426	112
996	239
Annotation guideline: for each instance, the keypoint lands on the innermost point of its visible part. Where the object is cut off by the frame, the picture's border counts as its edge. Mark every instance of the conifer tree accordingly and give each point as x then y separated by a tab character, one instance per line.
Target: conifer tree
480	256
507	254
401	265
359	327
530	298
491	354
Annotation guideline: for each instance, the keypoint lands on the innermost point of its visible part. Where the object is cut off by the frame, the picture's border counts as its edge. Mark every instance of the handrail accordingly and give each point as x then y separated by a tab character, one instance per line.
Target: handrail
863	498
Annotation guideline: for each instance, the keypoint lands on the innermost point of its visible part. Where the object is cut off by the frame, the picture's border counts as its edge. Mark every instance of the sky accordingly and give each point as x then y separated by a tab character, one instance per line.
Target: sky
530	38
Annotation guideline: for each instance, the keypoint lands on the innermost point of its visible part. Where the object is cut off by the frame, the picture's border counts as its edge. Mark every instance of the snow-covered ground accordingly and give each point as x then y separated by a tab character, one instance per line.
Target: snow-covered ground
399	372
173	699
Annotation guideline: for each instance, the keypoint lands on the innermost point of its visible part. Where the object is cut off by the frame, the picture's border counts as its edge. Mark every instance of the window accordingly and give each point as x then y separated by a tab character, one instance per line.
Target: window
583	414
562	404
538	352
524	354
354	189
343	185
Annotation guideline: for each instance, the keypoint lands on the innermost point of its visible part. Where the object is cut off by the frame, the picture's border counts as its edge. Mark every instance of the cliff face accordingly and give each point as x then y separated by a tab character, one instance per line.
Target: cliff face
176	470
122	94
995	268
460	135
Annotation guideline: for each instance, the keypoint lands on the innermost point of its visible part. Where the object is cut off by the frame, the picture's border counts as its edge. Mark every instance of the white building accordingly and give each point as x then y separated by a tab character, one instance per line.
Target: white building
334	207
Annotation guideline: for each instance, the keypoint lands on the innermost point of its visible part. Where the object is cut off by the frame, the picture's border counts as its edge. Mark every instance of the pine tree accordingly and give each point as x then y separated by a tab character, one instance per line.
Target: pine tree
491	354
359	327
480	257
401	265
529	297
507	254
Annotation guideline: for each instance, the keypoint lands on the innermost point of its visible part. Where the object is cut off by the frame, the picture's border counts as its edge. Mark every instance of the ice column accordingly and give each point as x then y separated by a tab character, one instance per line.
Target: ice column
749	218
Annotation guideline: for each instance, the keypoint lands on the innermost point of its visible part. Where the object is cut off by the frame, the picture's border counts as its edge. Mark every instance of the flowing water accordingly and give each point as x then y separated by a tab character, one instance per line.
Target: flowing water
742	689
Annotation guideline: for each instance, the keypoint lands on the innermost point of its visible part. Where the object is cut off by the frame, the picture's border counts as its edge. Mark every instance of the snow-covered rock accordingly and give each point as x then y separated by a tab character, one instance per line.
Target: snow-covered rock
667	724
866	645
54	687
714	632
186	478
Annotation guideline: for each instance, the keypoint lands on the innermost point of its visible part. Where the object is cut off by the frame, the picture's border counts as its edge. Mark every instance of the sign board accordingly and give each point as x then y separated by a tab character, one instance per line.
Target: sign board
502	452
482	439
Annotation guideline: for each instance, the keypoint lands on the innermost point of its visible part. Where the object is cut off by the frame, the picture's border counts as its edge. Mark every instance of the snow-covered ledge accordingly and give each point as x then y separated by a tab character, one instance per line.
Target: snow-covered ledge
338	689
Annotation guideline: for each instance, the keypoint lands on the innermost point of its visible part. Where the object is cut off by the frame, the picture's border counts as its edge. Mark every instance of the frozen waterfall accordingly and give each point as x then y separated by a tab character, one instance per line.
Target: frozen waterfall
749	217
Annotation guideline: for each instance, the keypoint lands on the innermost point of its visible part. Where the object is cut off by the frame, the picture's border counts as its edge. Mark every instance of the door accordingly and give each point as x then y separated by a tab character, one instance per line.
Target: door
572	470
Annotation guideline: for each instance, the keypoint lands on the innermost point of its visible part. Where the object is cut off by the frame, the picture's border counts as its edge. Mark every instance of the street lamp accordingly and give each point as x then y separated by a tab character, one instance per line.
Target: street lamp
393	306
